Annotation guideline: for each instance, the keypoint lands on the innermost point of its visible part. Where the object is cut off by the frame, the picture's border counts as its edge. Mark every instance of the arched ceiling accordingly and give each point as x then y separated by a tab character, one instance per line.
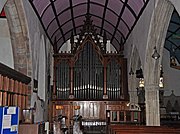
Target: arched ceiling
172	43
117	17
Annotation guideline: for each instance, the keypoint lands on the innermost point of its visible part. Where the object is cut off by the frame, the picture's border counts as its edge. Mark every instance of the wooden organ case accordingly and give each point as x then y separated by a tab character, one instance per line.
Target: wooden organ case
90	77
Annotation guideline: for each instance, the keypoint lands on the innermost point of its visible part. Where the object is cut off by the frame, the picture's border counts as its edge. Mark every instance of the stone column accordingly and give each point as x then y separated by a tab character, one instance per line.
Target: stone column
152	105
157	34
132	86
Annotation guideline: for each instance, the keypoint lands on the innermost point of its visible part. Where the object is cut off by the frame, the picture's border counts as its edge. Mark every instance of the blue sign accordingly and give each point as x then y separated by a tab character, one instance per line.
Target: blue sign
9	120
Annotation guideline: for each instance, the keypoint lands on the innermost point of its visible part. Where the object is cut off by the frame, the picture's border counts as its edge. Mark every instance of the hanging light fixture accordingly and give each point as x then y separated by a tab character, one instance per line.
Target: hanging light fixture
155	54
161	80
139	74
172	58
173	61
141	82
131	72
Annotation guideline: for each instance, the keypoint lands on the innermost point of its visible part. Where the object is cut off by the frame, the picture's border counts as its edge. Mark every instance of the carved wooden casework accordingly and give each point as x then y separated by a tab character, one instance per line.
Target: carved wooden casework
90	77
88	71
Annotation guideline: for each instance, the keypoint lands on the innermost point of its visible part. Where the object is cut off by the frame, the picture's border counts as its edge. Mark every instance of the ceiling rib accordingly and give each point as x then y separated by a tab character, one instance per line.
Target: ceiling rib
139	15
45	10
72	16
78	33
171	32
177	23
75	17
131	10
94	16
54	9
105	22
117	24
174	32
33	6
104	13
172	43
63	12
88	6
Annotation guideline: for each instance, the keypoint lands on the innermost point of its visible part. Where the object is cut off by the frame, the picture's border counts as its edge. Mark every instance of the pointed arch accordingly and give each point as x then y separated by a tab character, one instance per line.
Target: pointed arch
19	36
135	63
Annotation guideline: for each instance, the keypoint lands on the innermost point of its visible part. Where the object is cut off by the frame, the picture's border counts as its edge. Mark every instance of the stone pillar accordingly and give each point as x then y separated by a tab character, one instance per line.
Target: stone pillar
133	82
152	105
132	85
157	34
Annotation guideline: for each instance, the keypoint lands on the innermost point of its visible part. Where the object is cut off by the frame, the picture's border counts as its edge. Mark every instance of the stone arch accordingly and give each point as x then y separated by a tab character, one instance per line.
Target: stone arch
19	36
157	33
135	63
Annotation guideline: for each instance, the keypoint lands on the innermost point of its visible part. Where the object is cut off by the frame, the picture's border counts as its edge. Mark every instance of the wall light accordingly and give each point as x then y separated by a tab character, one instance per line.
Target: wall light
155	54
161	81
131	72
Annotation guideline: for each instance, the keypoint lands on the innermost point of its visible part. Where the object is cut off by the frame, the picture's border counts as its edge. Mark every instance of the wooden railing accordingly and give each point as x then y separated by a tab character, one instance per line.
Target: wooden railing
131	129
13	88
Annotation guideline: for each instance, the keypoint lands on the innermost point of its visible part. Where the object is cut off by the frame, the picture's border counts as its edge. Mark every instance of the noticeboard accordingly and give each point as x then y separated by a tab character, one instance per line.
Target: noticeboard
9	120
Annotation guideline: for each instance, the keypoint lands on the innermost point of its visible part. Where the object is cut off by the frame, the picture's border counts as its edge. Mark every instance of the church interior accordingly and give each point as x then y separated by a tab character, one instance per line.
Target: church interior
89	66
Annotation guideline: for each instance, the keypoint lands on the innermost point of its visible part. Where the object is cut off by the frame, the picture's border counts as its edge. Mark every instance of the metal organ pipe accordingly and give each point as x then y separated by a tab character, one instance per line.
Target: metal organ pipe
88	74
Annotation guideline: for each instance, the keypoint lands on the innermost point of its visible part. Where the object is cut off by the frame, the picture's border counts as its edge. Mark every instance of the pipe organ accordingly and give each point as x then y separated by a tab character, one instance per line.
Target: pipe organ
114	80
90	77
88	71
89	74
62	81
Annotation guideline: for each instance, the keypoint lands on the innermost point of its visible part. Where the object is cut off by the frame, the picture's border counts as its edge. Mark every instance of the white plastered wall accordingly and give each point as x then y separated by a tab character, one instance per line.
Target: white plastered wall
171	76
40	52
2	3
176	4
6	55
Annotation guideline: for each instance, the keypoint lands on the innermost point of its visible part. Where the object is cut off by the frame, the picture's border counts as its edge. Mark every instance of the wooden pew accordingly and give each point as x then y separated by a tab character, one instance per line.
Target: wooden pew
130	129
